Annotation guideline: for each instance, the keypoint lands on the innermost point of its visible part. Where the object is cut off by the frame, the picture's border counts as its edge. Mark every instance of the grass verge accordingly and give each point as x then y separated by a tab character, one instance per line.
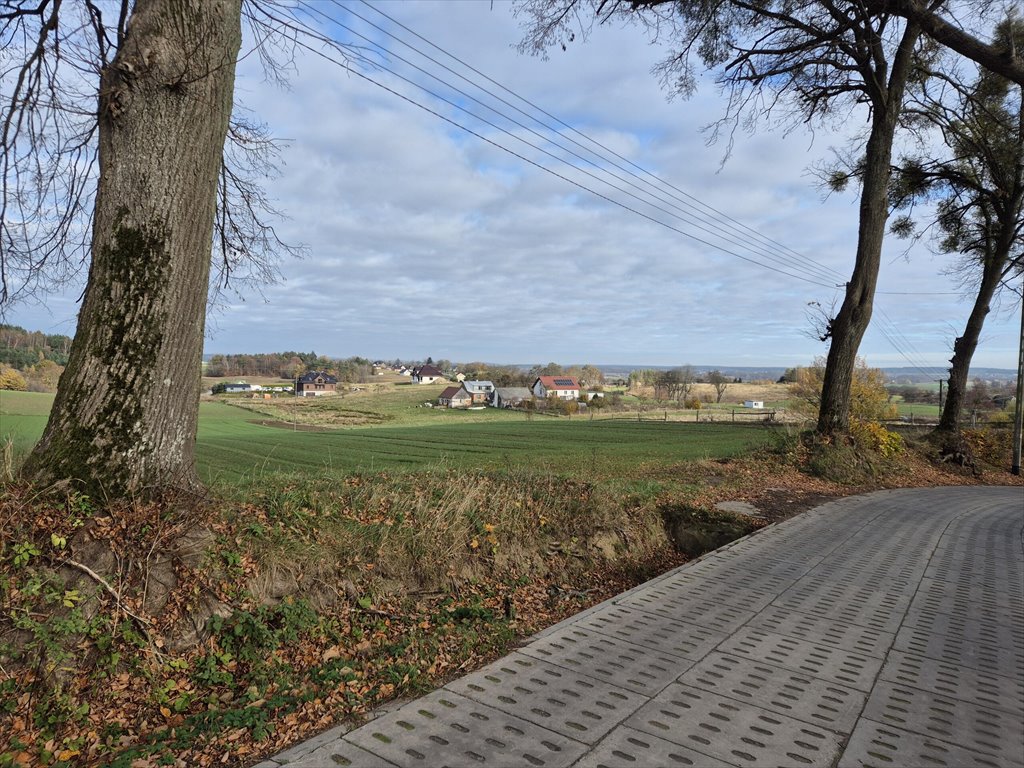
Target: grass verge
174	633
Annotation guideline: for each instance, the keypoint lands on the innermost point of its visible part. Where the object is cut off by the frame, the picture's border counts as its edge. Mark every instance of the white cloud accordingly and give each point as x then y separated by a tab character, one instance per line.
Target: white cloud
425	240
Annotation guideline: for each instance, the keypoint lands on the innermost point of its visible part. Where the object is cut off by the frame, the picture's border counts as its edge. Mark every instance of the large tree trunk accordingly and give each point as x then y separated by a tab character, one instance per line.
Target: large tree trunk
964	346
848	327
124	419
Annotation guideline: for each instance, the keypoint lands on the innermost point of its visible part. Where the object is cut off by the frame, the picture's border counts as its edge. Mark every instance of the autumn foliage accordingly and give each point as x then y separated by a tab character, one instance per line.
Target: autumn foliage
869	399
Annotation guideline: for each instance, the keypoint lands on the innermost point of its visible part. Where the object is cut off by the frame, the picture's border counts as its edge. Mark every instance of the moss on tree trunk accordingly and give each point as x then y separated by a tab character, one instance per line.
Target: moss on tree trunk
124	419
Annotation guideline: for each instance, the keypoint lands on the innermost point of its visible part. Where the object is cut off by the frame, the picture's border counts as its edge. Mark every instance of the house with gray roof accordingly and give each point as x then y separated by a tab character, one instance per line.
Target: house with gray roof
510	397
481	391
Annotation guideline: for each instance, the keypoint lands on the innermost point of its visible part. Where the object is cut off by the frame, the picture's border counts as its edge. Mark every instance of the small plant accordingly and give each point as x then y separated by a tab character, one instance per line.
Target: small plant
24	552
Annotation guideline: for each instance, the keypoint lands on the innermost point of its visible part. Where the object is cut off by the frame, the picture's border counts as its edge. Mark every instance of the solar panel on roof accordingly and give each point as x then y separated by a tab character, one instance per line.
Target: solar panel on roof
564	382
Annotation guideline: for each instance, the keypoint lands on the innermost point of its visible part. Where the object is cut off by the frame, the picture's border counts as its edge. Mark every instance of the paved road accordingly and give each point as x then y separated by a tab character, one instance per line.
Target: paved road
881	630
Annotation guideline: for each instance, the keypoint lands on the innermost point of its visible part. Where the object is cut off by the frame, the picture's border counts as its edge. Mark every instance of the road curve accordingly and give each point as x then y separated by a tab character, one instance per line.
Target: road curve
878	630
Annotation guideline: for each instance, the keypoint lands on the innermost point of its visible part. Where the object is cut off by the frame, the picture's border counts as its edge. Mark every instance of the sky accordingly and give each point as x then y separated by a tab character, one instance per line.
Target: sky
425	240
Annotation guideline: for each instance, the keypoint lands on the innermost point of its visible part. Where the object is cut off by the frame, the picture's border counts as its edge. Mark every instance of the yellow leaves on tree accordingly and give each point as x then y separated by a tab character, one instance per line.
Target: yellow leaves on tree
869	399
11	379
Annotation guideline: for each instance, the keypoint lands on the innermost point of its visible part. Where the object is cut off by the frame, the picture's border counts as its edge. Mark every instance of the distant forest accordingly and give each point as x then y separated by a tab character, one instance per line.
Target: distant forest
288	365
23	349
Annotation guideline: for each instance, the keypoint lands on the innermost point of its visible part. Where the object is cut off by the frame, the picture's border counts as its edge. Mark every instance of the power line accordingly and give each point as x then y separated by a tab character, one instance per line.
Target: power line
813	271
802	260
723	216
629	208
787	263
555	173
891	332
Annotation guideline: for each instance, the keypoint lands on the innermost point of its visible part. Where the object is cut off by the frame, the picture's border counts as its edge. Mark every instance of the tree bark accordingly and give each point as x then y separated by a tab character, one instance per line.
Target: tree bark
965	345
847	328
124	419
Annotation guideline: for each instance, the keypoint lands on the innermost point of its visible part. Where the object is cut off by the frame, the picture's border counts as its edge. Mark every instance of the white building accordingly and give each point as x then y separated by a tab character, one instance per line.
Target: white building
562	387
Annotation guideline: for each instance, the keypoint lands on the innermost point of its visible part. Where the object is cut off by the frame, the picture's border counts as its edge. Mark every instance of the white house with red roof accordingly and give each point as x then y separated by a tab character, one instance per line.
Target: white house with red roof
562	387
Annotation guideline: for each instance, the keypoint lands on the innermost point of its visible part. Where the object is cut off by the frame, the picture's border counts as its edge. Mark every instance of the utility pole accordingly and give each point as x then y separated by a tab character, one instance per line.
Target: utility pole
1018	411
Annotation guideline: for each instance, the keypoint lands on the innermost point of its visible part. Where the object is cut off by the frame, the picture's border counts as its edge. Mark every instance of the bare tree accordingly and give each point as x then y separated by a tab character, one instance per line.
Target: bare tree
782	62
719	382
675	384
113	128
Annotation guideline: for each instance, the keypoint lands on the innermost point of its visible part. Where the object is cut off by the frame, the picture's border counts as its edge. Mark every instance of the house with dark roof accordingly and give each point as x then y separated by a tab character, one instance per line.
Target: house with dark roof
426	374
510	397
315	384
455	397
562	387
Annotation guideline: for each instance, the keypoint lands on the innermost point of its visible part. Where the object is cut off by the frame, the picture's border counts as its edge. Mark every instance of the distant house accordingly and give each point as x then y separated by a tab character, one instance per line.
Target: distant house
510	397
753	403
315	384
455	397
460	377
236	387
426	374
480	390
562	387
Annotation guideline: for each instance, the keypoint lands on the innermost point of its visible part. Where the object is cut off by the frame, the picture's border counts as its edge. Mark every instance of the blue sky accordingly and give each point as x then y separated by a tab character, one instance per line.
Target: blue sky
425	240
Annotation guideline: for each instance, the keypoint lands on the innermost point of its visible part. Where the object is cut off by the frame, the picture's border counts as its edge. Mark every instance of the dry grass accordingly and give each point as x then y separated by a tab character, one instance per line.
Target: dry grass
423	529
738	393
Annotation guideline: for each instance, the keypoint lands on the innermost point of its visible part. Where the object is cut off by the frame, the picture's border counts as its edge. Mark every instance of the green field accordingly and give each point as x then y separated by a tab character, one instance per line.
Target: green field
918	410
233	447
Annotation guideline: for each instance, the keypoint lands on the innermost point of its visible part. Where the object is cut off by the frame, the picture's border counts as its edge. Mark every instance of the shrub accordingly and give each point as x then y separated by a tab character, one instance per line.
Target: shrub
869	399
992	445
693	403
11	379
873	436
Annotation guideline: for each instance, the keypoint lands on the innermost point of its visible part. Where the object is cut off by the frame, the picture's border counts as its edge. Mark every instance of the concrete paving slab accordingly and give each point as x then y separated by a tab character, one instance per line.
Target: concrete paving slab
988	731
824	661
655	631
993	691
672	600
338	753
630	748
734	731
628	666
779	690
848	637
880	630
874	745
444	729
556	698
983	656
